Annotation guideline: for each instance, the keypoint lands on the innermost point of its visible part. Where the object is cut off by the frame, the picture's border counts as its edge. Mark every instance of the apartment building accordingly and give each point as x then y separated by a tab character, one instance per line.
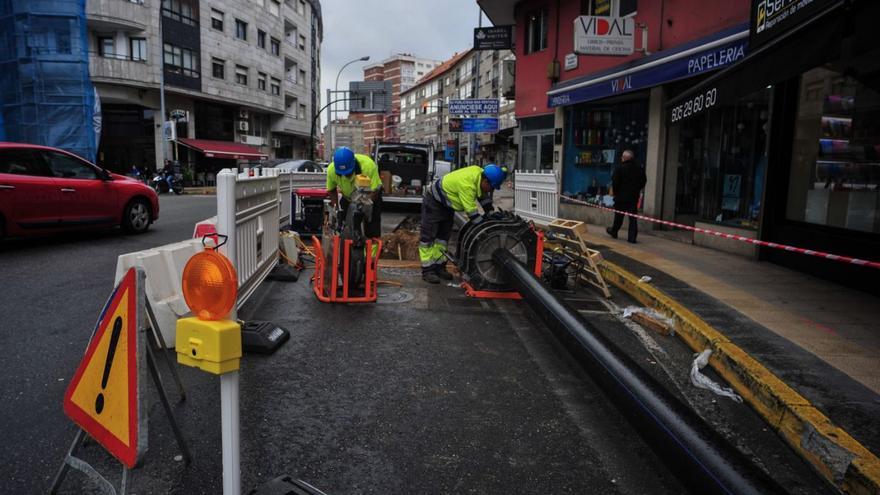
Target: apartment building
424	116
403	70
240	72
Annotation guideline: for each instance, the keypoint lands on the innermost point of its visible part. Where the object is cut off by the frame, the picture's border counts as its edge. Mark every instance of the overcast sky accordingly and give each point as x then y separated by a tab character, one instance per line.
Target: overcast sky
380	28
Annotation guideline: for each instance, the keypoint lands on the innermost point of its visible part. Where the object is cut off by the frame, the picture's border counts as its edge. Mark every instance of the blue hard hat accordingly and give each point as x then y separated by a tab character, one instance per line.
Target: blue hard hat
343	161
495	175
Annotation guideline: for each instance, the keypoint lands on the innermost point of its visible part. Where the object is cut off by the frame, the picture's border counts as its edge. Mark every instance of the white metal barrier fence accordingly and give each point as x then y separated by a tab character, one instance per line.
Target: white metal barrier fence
536	195
248	211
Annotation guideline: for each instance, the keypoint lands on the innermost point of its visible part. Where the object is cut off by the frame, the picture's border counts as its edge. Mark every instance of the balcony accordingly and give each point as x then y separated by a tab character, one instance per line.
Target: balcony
118	15
121	70
290	125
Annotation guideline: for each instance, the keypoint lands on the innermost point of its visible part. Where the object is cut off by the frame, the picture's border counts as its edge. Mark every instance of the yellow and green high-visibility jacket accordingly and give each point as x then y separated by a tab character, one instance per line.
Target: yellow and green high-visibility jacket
346	183
462	189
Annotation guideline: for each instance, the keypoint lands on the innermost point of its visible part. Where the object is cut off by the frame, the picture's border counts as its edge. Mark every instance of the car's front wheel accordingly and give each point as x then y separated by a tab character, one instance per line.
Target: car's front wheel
136	217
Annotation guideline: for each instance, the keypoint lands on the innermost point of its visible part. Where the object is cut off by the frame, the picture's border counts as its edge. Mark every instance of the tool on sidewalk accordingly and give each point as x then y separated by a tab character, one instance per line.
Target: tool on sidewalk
347	261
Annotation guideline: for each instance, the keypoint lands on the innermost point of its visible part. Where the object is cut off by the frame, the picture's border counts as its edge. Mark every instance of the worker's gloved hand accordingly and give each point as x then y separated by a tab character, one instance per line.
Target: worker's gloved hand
494	215
488	208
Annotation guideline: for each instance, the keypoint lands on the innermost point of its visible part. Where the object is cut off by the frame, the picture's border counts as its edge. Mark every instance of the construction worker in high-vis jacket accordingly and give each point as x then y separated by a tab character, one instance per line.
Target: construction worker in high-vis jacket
460	190
341	175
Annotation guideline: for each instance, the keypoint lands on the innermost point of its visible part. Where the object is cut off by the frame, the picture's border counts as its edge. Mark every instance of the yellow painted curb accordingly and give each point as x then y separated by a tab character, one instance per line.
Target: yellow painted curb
838	457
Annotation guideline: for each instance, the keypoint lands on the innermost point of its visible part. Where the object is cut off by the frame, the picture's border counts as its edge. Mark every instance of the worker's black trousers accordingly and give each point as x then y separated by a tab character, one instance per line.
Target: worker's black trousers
434	233
633	227
373	228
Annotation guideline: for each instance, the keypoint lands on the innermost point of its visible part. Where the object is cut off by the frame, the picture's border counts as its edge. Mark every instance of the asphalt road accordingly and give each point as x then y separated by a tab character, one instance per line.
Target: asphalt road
53	289
426	392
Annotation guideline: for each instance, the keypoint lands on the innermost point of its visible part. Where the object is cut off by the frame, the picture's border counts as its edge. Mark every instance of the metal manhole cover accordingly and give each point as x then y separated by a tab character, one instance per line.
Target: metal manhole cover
395	296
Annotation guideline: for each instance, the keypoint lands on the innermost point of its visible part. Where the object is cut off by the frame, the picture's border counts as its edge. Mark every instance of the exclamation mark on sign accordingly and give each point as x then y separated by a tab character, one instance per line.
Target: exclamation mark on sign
114	339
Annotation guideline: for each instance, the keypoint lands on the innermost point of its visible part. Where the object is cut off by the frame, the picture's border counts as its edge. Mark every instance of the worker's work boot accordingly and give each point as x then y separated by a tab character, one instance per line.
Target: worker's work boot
443	274
430	277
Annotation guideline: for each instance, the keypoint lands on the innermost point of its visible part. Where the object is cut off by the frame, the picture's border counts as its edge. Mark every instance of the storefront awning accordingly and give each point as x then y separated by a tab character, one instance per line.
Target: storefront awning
687	60
813	42
224	149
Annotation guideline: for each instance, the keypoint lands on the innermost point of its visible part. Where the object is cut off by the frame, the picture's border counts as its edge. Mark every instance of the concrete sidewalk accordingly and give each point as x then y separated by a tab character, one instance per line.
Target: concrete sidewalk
837	324
801	351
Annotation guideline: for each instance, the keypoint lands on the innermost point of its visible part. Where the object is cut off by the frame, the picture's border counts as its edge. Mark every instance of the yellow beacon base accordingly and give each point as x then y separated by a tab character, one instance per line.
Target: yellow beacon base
210	345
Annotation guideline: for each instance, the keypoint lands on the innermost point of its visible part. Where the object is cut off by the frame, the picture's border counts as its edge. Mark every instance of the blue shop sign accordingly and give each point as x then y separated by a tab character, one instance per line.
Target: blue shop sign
679	68
479	125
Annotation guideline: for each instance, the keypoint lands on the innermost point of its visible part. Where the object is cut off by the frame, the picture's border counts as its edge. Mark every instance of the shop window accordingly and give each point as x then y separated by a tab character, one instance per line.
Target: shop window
835	170
719	161
596	136
536	31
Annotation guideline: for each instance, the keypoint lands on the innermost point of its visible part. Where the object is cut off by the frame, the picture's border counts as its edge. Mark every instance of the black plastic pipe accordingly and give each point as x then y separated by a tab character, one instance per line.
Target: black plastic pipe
698	456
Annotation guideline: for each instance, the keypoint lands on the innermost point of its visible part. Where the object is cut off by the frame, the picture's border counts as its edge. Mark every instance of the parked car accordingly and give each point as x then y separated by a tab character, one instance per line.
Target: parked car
299	166
45	190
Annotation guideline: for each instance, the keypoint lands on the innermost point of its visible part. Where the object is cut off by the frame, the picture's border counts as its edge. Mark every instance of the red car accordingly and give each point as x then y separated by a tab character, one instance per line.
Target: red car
45	189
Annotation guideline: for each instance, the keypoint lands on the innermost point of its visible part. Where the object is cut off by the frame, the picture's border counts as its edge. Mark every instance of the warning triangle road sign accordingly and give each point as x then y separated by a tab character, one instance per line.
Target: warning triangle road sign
103	397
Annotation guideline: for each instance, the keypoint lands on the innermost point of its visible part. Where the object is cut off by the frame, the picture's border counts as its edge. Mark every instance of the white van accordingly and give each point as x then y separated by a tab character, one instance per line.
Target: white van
411	167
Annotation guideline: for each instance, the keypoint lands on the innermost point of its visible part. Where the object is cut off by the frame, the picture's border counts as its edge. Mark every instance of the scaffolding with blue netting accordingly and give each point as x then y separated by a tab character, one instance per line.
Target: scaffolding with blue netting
46	95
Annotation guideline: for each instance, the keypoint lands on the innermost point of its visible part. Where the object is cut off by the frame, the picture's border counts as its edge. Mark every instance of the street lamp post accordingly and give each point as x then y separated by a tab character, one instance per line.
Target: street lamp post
365	58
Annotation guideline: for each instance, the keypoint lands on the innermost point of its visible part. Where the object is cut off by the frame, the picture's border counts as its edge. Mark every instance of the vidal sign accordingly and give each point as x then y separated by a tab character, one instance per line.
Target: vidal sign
600	35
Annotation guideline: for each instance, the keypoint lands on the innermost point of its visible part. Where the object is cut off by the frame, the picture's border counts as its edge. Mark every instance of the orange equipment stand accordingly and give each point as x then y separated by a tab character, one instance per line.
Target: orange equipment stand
370	275
488	294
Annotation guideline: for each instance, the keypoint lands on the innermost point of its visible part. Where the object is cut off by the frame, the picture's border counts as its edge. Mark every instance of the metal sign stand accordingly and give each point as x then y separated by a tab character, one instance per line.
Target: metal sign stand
70	459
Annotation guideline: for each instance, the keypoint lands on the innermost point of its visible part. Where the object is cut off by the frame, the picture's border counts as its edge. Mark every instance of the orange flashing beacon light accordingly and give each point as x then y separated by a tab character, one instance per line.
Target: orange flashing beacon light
209	340
210	285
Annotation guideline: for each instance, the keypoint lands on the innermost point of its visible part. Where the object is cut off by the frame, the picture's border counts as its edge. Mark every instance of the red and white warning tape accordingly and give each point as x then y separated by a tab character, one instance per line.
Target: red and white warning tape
784	247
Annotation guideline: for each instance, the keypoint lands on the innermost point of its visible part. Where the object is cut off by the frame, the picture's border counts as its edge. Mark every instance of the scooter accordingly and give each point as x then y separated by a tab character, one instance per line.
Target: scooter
166	181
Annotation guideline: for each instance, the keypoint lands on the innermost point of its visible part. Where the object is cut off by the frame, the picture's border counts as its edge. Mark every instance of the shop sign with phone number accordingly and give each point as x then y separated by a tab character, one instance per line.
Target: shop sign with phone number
695	104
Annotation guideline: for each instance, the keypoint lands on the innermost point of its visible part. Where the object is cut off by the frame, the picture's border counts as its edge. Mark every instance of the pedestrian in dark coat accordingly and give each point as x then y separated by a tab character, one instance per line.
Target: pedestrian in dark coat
627	183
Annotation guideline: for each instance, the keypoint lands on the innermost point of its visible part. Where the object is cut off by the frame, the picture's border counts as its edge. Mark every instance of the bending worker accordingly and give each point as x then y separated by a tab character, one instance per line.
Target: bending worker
341	175
459	190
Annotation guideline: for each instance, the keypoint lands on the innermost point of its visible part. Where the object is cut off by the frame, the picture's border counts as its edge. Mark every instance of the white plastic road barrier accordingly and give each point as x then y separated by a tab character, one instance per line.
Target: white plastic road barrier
284	200
536	195
248	211
163	266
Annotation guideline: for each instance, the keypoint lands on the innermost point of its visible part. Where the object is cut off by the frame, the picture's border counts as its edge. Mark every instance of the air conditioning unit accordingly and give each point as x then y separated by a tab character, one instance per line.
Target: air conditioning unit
243	125
243	139
276	143
242	113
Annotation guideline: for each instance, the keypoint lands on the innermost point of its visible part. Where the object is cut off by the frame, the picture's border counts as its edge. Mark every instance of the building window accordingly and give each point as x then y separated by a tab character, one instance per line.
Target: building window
261	38
241	29
302	76
276	86
302	111
834	178
218	68
301	8
138	49
536	31
217	19
180	10
274	8
241	75
275	47
106	46
261	81
613	8
291	73
302	42
181	60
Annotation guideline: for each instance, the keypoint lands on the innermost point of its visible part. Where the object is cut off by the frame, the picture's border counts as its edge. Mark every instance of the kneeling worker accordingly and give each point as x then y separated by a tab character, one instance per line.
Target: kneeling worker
459	190
342	175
